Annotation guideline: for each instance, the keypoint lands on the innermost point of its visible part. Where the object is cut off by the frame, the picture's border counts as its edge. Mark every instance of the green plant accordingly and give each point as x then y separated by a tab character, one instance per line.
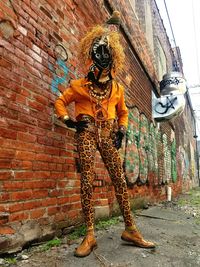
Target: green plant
103	224
193	198
52	243
197	221
10	260
78	232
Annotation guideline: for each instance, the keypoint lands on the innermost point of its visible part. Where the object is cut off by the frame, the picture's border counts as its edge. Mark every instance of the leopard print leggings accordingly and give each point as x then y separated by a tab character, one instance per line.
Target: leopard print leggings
88	143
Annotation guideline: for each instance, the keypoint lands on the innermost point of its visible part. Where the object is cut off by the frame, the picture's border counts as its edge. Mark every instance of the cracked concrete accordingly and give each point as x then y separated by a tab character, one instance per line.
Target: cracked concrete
176	233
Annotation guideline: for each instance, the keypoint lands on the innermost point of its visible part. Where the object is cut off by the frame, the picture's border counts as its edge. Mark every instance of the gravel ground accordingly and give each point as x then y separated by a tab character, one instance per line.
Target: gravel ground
174	226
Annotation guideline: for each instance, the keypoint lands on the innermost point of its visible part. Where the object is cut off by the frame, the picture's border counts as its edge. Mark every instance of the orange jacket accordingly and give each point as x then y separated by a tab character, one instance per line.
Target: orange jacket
78	92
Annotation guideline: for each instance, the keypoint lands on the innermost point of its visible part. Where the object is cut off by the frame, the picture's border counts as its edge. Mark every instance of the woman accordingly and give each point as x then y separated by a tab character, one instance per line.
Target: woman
99	103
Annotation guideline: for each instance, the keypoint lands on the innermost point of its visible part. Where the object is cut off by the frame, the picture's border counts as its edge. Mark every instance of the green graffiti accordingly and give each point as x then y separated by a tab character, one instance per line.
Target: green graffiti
143	148
152	153
147	150
173	161
167	160
160	157
131	163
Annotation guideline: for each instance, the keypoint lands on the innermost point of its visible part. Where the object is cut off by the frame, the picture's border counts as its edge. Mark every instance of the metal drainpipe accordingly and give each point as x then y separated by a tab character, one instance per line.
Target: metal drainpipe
197	152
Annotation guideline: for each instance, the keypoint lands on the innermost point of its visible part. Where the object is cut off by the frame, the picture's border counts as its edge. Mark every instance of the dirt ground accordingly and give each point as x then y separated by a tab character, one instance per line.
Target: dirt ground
174	226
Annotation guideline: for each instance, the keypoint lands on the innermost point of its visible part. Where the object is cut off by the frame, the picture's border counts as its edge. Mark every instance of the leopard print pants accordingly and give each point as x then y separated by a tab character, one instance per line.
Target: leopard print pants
88	143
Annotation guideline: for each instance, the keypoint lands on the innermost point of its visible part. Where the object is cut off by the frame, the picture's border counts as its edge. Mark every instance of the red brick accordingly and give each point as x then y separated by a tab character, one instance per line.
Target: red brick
4	197
7	133
16	207
6	64
33	70
40	193
28	10
19	216
25	155
43	157
32	205
10	186
26	137
3	208
22	195
34	56
5	175
53	210
21	99
52	151
63	200
11	114
6	230
49	202
8	11
74	198
27	119
56	192
73	213
40	166
5	164
60	217
37	213
39	184
10	75
22	165
41	174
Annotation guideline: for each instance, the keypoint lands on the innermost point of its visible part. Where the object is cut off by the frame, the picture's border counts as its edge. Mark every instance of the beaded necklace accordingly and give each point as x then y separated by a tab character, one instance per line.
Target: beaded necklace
96	98
100	93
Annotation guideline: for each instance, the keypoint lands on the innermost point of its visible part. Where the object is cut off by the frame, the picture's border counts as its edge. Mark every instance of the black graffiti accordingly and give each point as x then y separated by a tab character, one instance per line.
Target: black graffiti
165	107
169	81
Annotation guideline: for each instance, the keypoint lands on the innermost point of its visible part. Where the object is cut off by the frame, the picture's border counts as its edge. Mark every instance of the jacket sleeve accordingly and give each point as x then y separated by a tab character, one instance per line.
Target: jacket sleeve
122	111
63	101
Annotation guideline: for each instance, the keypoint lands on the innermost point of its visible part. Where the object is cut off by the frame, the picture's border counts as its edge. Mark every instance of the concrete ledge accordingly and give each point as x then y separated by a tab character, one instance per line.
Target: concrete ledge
102	212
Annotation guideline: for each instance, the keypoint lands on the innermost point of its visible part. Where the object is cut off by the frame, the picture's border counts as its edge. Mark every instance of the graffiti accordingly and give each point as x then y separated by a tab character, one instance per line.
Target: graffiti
152	153
56	78
60	52
173	161
184	161
60	70
148	152
162	108
172	100
160	157
143	147
131	161
170	81
167	160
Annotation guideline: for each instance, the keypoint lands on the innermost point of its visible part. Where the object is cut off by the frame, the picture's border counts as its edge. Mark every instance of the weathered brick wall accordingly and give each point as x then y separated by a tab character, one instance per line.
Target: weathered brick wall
161	34
39	177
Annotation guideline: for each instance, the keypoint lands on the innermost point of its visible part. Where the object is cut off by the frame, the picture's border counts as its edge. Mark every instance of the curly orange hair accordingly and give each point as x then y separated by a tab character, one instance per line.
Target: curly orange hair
114	43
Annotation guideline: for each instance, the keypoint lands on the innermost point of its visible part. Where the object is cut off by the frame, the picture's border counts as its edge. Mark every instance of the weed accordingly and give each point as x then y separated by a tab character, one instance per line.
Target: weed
52	243
103	224
193	198
10	260
78	232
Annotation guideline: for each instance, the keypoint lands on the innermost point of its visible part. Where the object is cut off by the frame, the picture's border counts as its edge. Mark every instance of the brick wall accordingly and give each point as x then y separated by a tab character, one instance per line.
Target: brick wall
39	176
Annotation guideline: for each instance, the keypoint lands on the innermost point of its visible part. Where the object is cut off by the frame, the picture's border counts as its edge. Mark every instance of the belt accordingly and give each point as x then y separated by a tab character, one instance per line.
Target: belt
101	128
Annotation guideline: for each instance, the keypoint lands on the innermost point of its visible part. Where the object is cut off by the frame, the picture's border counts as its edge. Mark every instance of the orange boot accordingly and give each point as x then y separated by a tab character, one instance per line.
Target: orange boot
134	237
87	245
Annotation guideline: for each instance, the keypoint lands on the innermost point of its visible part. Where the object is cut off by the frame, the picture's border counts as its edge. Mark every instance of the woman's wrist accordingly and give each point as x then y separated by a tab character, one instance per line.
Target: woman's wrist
65	118
122	129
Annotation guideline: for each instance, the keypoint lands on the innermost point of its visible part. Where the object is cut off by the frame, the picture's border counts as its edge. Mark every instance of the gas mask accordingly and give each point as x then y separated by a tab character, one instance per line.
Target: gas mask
102	60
